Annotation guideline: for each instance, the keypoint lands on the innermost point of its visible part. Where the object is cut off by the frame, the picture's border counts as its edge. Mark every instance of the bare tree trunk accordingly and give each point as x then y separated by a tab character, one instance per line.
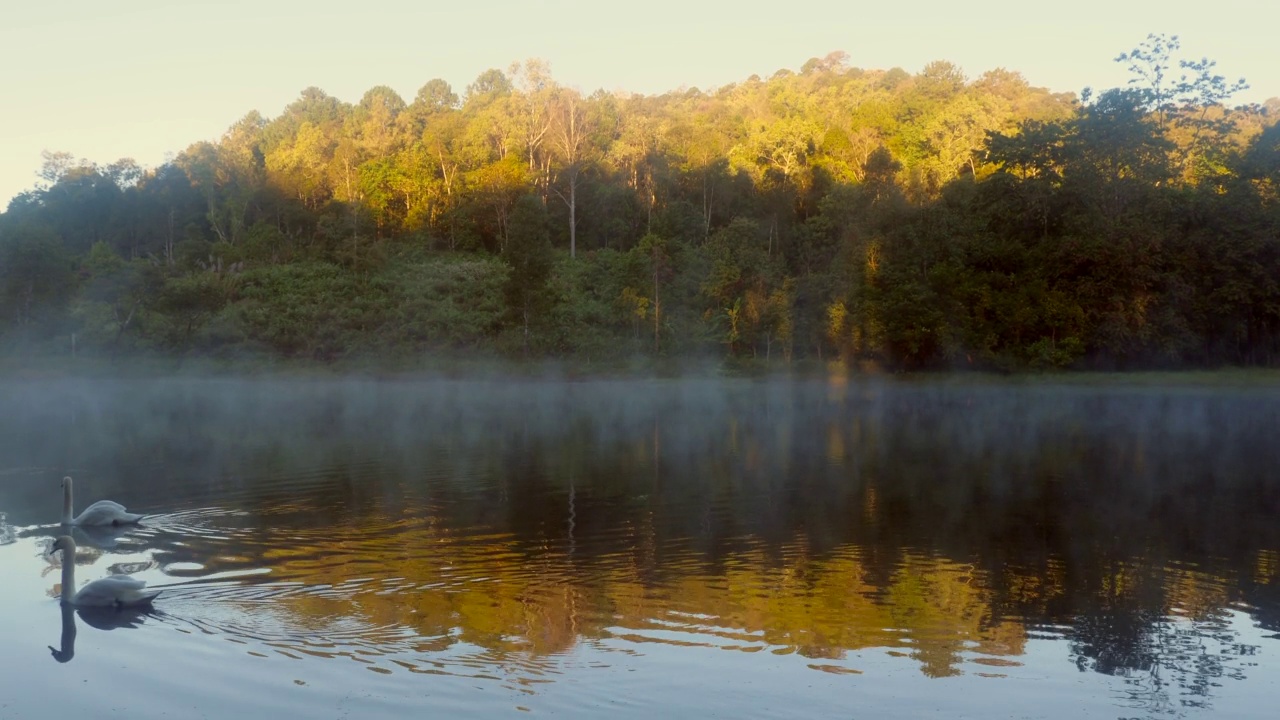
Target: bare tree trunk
653	200
571	135
502	230
657	309
708	198
355	234
168	246
648	220
122	326
573	213
213	219
526	327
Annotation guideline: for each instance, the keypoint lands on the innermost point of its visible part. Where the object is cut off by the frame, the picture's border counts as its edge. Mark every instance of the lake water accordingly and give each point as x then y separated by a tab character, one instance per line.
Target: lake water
691	548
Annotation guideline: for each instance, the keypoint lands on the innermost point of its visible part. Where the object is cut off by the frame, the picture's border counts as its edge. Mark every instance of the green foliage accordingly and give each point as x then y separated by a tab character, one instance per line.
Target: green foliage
584	318
528	255
115	299
187	303
306	309
36	280
750	300
919	220
448	302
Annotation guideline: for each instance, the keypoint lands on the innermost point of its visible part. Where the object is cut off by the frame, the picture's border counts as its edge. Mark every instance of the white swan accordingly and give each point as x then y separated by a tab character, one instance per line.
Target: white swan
103	512
113	591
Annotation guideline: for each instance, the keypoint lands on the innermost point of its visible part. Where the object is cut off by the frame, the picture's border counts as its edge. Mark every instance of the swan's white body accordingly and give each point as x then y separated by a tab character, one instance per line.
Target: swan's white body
103	512
115	591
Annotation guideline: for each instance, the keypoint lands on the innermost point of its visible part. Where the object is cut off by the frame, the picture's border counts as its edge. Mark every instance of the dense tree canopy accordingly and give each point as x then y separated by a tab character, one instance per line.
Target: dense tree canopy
919	220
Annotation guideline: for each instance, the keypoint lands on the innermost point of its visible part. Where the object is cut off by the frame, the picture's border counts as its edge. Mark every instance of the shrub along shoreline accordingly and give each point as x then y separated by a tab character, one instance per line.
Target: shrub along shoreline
914	222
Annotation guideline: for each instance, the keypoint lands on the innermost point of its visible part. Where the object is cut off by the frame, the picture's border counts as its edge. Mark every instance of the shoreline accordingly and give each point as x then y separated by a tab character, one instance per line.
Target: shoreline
576	369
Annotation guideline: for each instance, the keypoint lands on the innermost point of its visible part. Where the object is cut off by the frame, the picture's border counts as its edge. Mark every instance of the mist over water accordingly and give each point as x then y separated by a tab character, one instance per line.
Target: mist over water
761	548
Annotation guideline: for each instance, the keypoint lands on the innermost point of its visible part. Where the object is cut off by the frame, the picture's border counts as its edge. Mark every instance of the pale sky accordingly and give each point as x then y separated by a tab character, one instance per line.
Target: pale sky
105	79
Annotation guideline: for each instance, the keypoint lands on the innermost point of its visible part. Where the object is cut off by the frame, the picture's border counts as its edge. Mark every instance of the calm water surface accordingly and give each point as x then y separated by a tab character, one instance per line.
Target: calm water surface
696	548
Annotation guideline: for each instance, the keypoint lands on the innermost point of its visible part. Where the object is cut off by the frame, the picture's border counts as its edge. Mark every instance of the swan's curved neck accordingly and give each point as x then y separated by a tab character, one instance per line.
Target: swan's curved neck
68	575
66	502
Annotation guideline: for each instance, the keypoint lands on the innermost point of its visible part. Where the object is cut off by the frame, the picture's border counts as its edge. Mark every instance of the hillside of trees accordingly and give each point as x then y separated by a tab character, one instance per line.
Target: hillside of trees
835	213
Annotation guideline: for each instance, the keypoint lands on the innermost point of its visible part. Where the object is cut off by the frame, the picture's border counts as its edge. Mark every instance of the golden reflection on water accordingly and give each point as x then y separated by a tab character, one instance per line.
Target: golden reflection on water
418	596
1267	567
955	533
403	588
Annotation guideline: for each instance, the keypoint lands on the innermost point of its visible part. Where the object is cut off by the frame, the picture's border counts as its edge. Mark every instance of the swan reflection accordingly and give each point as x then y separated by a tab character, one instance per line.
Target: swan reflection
115	591
7	534
99	618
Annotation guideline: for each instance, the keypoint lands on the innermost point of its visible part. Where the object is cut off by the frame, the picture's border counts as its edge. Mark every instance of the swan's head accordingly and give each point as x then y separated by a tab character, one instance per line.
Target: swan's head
66	482
65	544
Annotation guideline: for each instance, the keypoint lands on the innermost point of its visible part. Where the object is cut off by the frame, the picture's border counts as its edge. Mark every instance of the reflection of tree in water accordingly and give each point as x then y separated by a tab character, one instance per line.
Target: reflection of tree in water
1167	663
1260	591
7	534
1165	631
525	518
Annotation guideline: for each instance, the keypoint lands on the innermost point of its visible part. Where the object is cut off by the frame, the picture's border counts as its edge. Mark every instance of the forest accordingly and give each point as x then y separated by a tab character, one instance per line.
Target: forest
834	214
